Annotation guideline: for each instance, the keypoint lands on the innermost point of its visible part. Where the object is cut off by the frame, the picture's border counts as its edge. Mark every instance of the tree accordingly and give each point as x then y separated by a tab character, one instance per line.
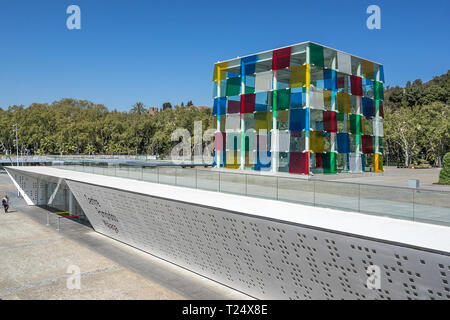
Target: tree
138	108
166	105
435	131
401	129
396	96
444	176
189	103
90	149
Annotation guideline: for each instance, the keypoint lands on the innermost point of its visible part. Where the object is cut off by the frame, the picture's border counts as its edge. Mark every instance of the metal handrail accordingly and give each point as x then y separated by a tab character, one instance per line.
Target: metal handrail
221	181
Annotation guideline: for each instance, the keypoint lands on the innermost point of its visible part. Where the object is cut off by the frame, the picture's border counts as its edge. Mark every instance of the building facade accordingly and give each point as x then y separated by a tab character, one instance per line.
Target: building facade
301	109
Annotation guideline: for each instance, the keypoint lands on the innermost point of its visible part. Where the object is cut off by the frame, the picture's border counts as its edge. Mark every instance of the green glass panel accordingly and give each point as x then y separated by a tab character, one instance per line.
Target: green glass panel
275	103
355	124
316	55
329	162
249	84
233	86
283	99
379	91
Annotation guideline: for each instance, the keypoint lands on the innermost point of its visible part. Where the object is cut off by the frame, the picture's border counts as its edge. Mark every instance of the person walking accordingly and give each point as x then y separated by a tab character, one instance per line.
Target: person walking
5	203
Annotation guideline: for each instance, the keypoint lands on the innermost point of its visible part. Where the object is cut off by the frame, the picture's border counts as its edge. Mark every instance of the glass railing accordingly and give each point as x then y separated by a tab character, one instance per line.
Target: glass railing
396	202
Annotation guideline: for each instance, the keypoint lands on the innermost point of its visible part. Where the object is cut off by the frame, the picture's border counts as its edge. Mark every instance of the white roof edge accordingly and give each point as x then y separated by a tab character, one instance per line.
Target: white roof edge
416	234
298	44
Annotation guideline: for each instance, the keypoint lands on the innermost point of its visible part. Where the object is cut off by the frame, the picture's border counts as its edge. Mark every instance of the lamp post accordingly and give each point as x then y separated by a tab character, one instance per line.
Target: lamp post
17	151
17	143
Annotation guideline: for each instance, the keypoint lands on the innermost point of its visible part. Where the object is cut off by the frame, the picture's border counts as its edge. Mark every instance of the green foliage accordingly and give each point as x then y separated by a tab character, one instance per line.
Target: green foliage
418	93
73	126
444	176
138	108
417	122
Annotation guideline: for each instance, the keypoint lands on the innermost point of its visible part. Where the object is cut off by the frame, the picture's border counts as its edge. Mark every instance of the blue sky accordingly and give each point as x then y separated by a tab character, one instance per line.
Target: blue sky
158	51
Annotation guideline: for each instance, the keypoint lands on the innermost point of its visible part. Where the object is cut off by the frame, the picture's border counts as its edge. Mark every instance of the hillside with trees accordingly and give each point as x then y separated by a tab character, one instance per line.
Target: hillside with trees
73	126
416	124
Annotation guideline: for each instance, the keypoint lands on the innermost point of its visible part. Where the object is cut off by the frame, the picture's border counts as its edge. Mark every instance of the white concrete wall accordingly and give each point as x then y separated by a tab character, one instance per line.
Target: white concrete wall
267	249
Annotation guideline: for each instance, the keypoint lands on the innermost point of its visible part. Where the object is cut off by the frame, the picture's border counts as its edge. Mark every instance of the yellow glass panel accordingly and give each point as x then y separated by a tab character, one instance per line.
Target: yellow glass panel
263	121
316	141
283	115
343	102
232	159
219	71
307	78
298	76
377	162
327	98
367	69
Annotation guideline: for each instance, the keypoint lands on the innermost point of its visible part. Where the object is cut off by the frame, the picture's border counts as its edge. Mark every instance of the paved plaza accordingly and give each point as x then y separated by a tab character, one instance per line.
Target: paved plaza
35	260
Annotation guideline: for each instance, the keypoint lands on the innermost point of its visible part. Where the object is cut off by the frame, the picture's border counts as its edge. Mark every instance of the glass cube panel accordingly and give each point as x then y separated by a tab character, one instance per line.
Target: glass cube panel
344	63
233	122
263	81
283	119
316	141
316	119
316	55
297	141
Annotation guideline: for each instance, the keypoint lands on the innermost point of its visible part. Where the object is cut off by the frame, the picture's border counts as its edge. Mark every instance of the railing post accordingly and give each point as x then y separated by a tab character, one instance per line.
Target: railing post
196	178
246	184
176	176
413	204
59	223
48	220
157	174
314	193
359	198
277	188
219	183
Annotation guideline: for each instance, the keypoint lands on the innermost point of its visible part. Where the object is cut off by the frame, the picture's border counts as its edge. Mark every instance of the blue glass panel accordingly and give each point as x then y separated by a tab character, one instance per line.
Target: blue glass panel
219	106
297	119
368	107
248	64
297	100
381	70
343	144
329	79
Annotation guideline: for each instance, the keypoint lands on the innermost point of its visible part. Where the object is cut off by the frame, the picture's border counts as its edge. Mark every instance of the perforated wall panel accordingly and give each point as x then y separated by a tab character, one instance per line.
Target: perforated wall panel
32	186
264	258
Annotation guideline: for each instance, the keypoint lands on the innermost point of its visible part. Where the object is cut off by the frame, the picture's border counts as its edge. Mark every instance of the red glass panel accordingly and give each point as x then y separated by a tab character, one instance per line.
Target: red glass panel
319	160
248	103
329	121
380	109
234	106
281	58
356	85
367	144
298	162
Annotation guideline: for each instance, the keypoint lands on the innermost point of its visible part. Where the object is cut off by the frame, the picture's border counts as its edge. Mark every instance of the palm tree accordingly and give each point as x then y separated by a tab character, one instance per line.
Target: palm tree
138	108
